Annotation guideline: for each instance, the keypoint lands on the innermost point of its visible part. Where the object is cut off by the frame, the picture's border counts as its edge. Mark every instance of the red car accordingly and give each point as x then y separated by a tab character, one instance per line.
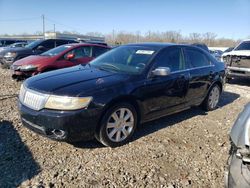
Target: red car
60	57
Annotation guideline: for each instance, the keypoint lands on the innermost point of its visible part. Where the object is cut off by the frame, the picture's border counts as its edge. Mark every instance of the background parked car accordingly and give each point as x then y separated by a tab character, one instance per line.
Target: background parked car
238	60
229	49
119	89
8	56
14	45
202	46
7	42
238	168
60	57
217	54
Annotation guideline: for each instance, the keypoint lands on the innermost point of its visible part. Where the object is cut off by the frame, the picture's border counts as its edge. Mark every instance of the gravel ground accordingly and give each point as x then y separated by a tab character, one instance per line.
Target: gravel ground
188	149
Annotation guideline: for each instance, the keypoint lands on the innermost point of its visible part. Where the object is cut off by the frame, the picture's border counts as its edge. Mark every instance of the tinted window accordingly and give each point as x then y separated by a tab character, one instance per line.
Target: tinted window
99	50
196	58
80	52
243	46
49	44
9	42
34	44
61	42
172	58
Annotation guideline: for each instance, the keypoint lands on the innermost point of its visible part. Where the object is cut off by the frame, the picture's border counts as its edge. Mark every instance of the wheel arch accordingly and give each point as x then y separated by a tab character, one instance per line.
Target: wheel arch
217	82
123	99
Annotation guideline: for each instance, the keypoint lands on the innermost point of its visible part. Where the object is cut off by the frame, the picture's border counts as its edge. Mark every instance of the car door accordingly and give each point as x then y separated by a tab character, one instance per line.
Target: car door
82	55
166	94
201	74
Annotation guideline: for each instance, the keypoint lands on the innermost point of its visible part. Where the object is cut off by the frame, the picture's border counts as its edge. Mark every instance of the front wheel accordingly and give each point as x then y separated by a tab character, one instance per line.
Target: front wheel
212	99
117	125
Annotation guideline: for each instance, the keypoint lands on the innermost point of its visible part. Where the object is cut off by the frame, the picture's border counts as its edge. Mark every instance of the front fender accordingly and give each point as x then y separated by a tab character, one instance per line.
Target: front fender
241	129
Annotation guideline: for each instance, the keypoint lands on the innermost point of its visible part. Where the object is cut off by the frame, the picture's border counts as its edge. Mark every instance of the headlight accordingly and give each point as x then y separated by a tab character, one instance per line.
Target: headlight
27	67
67	103
10	54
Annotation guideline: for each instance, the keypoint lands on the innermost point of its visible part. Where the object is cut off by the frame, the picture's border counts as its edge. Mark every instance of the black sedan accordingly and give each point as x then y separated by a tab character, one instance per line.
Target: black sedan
128	85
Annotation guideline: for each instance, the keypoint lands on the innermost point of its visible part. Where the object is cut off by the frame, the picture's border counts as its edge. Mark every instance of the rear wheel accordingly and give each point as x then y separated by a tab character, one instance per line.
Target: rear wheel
117	125
212	99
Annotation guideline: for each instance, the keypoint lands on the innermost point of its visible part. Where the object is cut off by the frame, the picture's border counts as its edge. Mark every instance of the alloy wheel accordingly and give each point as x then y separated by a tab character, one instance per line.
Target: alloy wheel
120	125
214	97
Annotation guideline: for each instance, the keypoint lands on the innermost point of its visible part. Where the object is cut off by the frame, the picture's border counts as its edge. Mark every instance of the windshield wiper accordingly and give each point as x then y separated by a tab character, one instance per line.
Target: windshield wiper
110	65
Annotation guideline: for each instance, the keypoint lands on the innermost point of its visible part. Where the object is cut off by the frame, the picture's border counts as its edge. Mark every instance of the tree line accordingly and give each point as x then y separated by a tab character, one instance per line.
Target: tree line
123	37
210	39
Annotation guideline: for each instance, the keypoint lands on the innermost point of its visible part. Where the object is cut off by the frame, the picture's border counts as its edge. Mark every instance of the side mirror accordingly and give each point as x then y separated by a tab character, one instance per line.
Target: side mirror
40	48
70	56
161	71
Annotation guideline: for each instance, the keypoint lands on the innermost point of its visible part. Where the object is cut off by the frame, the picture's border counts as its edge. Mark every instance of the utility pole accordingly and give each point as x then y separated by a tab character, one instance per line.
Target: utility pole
54	28
43	25
113	36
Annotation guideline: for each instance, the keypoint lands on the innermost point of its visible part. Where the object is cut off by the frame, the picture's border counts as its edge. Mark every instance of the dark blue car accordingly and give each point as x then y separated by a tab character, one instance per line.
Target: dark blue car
128	85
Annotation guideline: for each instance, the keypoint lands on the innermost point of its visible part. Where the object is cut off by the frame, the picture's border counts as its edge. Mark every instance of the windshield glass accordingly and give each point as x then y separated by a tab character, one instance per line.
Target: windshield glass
34	44
243	46
56	51
127	59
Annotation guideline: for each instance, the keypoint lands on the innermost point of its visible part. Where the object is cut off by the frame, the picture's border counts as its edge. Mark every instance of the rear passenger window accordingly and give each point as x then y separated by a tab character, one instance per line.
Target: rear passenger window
99	50
61	42
48	44
196	58
172	58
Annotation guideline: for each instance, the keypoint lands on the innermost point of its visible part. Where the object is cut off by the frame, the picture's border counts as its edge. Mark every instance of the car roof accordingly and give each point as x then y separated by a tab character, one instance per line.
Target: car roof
161	45
85	44
157	45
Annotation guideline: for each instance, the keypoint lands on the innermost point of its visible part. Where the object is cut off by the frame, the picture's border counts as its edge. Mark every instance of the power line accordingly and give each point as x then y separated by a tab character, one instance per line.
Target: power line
53	21
19	19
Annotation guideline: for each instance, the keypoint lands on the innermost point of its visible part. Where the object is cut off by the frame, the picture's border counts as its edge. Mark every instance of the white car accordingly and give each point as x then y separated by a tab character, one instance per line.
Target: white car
238	60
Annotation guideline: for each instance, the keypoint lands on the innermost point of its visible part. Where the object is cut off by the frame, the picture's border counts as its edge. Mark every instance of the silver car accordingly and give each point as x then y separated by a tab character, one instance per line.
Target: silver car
238	168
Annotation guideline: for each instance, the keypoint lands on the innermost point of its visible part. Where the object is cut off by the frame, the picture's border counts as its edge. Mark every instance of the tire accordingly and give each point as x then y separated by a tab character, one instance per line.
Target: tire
122	121
212	99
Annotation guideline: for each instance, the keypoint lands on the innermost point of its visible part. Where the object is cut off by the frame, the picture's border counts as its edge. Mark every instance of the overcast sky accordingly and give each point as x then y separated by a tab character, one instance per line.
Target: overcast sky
226	18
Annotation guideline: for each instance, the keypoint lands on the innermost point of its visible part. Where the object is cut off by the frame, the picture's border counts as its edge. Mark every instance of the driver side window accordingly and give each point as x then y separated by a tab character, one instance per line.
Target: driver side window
172	58
80	52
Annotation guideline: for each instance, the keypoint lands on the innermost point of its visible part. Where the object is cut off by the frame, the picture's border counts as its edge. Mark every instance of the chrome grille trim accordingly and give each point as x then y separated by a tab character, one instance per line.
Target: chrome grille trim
32	99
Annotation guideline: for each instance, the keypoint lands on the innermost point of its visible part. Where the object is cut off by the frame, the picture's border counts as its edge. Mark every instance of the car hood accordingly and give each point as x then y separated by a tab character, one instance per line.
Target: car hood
238	53
34	60
240	132
75	81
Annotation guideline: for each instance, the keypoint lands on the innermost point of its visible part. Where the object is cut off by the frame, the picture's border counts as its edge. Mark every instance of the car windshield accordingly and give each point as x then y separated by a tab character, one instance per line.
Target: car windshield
56	51
34	44
126	59
243	46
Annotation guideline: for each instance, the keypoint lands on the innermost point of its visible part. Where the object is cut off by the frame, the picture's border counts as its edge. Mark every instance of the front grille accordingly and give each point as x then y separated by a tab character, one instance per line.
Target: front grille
32	99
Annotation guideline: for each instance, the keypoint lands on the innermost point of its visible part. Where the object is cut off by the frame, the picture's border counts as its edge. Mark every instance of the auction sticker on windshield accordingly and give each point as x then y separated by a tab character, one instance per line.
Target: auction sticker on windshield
145	52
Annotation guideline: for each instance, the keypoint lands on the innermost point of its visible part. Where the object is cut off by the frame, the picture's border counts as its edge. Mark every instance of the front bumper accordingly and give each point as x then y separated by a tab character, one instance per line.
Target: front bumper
7	62
238	72
237	174
75	125
17	74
